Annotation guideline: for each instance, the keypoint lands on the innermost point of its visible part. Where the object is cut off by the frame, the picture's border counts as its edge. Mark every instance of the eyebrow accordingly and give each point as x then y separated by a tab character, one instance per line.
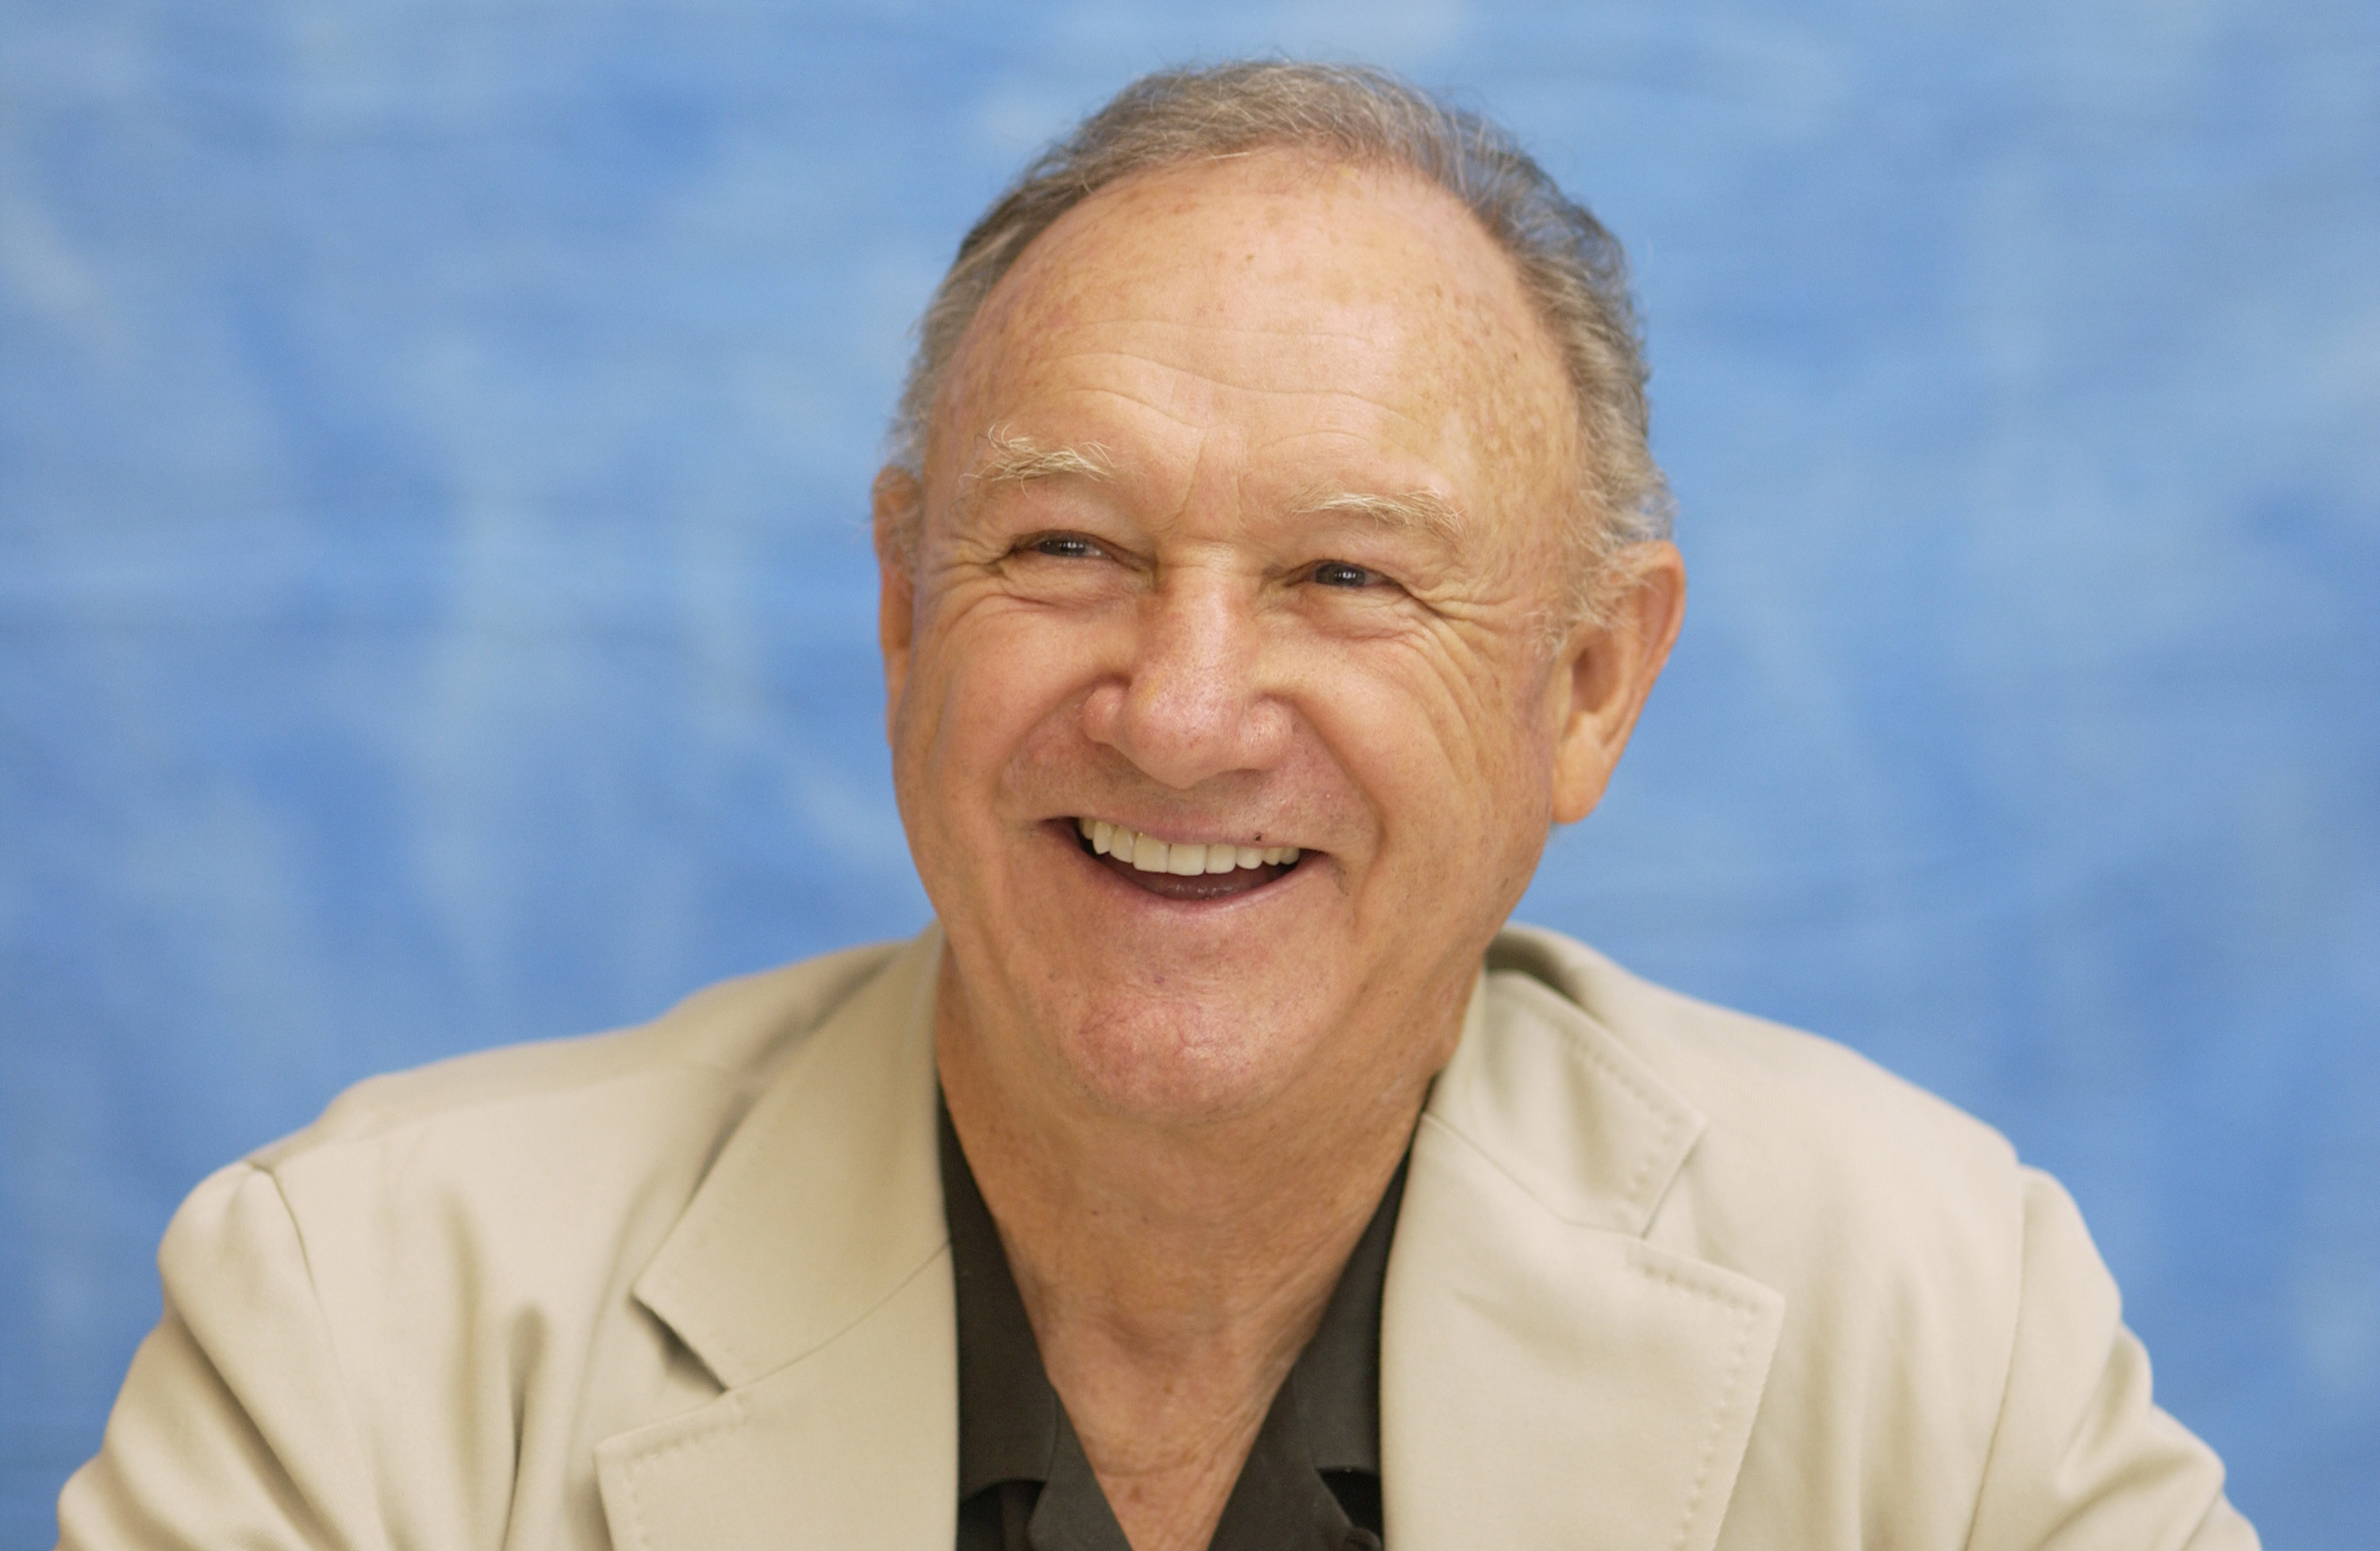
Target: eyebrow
1009	458
1415	511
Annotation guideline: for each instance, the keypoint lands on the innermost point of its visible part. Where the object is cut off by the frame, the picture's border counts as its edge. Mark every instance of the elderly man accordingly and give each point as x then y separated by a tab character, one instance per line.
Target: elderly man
1273	557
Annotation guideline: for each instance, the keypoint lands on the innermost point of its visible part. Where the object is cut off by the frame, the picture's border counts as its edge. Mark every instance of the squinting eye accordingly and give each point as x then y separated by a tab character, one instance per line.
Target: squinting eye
1338	573
1065	547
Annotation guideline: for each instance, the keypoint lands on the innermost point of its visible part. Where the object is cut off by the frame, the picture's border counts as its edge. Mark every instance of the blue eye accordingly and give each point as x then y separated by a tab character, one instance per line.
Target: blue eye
1338	573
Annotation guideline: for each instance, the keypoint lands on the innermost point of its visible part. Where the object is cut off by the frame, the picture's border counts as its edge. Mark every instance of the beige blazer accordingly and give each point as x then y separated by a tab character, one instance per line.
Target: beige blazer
1666	1278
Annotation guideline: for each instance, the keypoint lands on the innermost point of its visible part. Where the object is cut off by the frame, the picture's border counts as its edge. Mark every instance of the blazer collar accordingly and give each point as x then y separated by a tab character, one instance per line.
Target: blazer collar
1549	1378
810	1275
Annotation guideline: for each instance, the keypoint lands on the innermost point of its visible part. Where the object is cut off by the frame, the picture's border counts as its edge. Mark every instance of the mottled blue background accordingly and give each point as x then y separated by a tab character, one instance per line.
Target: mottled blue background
433	612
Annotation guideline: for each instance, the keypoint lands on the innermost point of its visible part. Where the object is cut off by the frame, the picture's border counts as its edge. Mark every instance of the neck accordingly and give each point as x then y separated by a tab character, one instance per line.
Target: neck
1172	1271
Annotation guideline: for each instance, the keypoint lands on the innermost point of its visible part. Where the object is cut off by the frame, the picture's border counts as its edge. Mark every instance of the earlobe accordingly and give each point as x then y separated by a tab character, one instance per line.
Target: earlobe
1608	669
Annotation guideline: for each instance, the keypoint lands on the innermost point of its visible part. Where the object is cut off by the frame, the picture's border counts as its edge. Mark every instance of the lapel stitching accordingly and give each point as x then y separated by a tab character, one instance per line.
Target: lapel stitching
1551	1379
1747	1324
826	1200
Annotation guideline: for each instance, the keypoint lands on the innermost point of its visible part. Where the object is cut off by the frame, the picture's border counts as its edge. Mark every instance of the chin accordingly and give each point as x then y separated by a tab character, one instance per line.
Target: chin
1183	1066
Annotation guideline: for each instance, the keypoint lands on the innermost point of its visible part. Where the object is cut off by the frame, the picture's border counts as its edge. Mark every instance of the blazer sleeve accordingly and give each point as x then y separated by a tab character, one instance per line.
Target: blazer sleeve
232	1426
2081	1457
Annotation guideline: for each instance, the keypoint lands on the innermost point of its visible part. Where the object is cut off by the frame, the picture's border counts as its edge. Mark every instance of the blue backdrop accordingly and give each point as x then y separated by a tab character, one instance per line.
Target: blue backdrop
434	610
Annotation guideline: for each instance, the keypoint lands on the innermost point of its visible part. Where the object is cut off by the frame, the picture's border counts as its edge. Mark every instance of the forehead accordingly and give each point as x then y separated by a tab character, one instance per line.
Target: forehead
1292	303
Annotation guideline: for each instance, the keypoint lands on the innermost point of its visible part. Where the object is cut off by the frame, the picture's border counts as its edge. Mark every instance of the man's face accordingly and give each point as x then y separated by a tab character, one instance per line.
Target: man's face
1241	508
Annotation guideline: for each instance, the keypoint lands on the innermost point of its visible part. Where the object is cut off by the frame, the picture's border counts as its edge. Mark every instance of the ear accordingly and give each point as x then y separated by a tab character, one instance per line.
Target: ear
896	500
1608	669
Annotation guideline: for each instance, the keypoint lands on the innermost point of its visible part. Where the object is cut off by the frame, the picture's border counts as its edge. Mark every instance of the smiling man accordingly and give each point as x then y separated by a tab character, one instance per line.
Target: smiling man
1271	558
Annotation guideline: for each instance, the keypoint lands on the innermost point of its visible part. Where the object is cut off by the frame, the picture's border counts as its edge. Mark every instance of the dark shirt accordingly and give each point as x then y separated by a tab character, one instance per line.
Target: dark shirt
1312	1480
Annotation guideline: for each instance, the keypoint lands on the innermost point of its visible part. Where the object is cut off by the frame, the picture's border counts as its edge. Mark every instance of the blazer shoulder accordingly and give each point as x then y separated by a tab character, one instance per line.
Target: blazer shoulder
1893	1226
1800	1162
728	1038
1782	1094
417	1316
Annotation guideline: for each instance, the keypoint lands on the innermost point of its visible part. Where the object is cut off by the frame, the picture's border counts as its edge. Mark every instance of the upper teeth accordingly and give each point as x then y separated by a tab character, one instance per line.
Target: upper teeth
1182	858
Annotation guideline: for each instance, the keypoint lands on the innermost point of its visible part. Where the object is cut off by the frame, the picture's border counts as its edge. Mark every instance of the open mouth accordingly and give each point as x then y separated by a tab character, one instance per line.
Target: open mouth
1184	870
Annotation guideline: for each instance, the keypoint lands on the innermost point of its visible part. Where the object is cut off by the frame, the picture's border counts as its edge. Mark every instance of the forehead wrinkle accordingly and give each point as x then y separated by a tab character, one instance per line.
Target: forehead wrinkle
1390	316
1059	348
1160	387
1358	415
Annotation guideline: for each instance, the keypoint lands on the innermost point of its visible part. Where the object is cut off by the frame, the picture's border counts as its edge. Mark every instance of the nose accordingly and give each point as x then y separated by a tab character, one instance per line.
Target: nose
1192	702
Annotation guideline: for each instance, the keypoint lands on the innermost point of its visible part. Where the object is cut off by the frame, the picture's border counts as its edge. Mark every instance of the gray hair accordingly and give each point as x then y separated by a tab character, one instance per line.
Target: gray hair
1570	266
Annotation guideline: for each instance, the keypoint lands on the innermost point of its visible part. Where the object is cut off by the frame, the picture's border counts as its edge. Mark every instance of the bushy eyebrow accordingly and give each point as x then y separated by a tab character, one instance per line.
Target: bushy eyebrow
1415	511
1010	459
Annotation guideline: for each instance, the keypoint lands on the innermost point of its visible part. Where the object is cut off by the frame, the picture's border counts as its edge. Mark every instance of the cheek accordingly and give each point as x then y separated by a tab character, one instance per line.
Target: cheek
1449	739
1460	780
987	701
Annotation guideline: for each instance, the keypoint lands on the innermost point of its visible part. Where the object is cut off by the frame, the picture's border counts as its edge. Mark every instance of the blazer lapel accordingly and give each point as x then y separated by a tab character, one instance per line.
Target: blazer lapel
810	1275
1549	1378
